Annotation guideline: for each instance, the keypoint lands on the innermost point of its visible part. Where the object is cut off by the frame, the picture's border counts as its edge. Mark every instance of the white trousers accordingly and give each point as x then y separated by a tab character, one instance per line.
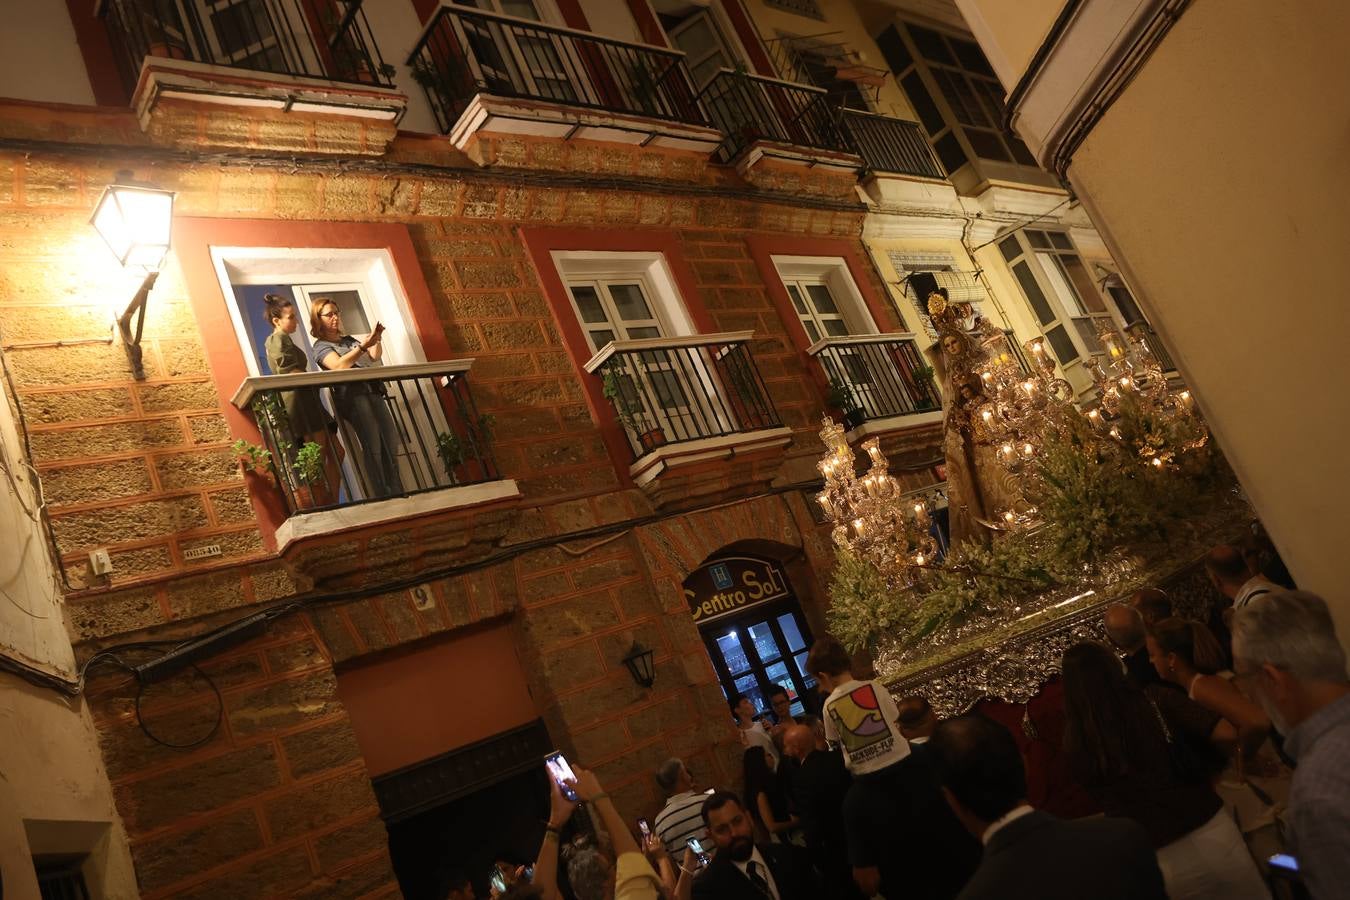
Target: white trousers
1211	863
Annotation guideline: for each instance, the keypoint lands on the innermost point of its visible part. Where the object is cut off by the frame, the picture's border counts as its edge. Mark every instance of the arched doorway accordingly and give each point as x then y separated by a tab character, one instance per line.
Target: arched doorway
752	625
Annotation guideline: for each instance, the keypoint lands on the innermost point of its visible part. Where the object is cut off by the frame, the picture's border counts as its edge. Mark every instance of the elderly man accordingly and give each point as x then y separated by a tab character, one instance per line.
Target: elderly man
1125	629
818	791
682	816
1287	658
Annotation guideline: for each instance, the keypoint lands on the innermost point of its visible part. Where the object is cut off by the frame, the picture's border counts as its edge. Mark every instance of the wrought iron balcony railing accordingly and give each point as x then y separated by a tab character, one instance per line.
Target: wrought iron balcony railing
748	108
890	145
399	430
672	390
876	376
1140	331
328	39
465	52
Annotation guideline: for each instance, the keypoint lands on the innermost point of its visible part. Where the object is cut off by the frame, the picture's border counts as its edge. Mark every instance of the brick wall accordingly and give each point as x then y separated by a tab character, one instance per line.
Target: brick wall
279	799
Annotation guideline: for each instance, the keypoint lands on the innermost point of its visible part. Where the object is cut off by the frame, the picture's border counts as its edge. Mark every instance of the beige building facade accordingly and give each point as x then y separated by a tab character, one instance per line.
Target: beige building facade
1207	141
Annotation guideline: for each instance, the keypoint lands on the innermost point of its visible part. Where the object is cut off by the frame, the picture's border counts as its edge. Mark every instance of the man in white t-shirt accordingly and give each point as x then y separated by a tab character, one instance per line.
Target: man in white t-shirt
859	716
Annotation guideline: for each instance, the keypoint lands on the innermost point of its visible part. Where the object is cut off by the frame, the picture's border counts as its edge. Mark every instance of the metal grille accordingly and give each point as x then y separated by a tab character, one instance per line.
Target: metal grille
880	376
890	145
465	52
328	39
749	108
61	879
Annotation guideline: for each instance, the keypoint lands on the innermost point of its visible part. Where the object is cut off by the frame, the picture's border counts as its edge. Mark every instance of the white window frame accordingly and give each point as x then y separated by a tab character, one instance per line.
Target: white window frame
1053	285
372	271
833	272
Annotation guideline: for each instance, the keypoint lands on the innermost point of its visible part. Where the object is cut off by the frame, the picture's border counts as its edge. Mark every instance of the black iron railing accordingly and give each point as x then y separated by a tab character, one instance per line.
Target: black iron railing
1016	351
671	390
749	108
465	52
328	39
890	145
353	436
1140	331
877	376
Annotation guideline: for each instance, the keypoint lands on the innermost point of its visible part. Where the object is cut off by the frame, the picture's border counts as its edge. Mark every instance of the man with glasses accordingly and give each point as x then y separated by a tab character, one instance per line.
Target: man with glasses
1287	659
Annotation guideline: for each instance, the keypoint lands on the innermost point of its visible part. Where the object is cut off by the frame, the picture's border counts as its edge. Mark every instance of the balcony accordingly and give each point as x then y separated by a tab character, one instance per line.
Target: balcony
879	382
486	73
890	146
293	56
1141	333
408	441
685	403
767	119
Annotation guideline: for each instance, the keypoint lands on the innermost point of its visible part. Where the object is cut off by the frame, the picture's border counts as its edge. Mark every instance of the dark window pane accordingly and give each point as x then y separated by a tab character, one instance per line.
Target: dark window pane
1061	344
1083	283
987	145
1010	248
1129	310
1087	331
820	296
894	50
1060	240
922	102
968	52
992	94
1038	239
796	299
1032	290
965	106
930	44
1021	153
950	153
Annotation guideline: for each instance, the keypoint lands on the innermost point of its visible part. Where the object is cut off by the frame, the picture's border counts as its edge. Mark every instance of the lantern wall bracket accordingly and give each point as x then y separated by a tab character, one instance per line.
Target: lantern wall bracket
131	340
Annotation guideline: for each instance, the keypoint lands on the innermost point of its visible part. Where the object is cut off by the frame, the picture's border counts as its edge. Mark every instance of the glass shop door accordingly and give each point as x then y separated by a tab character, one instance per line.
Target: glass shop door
760	648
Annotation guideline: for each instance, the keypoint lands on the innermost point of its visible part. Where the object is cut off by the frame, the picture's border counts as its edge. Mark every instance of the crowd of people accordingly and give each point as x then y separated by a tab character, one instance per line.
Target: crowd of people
1205	757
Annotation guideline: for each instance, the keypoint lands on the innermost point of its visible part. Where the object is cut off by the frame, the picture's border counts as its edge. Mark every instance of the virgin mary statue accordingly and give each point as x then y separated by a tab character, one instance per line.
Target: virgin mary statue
978	488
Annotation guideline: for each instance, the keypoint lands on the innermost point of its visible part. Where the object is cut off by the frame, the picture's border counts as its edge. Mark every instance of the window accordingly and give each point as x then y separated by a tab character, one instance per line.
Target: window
923	273
955	94
824	296
61	878
614	309
1059	290
707	51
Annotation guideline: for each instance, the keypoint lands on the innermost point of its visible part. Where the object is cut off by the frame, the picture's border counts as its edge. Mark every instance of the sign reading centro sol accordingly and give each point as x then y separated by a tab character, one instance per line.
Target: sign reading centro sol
729	585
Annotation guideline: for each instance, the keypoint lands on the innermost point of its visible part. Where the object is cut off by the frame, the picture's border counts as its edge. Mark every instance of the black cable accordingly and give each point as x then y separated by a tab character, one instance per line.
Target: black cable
215	726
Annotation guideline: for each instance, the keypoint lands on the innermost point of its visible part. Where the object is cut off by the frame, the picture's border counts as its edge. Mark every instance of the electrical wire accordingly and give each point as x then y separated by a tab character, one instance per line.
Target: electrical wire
1004	232
205	738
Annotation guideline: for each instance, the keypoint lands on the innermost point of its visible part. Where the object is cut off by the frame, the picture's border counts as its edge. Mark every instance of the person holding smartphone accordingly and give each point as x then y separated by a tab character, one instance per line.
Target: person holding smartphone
360	404
634	877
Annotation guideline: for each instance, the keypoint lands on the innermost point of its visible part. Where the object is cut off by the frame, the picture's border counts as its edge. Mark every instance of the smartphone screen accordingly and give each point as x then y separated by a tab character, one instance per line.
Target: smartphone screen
698	851
710	791
1283	861
644	828
497	880
561	772
529	873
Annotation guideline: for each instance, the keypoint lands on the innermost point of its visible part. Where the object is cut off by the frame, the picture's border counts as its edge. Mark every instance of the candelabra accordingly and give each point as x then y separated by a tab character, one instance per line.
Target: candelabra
1138	407
871	517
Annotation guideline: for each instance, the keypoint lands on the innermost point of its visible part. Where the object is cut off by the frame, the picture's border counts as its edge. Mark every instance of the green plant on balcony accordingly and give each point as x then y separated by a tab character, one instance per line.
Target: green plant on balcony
452	448
308	463
253	457
842	398
633	415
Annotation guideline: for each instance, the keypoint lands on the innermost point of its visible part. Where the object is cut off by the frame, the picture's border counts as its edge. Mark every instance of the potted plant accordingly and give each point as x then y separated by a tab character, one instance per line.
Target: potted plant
451	448
842	398
927	389
255	462
308	468
632	414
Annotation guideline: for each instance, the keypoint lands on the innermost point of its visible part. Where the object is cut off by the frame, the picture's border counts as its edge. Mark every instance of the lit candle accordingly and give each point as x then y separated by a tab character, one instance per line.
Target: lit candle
918	560
1027	450
1125	381
1157	462
1028	385
858	525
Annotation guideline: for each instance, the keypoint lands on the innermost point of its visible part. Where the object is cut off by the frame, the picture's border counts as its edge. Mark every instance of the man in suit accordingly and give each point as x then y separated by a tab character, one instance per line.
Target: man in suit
1030	854
744	870
818	792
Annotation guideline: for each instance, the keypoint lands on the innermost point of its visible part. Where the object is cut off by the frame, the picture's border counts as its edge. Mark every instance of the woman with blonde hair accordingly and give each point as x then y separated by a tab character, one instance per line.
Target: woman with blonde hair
361	404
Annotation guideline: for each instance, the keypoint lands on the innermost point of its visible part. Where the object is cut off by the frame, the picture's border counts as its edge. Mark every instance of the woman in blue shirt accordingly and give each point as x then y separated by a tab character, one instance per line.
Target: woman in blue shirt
361	404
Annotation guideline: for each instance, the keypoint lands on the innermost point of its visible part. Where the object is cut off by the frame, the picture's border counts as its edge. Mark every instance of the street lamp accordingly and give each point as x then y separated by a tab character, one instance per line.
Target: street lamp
640	665
135	220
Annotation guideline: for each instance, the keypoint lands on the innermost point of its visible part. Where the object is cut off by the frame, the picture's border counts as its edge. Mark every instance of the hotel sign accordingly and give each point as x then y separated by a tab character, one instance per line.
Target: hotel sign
730	585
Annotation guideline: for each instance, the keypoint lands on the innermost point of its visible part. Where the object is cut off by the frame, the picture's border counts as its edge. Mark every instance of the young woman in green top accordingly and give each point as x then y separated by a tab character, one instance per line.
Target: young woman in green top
309	421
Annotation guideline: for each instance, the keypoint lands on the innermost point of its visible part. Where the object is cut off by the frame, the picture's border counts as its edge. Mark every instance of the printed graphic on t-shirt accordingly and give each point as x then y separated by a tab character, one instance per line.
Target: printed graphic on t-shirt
863	730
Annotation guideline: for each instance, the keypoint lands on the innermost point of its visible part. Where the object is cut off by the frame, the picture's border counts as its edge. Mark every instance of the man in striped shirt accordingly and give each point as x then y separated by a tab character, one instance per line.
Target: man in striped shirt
682	816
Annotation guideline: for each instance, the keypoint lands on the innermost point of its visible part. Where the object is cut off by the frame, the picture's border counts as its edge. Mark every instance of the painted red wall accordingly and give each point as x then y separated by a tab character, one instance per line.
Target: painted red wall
417	704
540	244
193	239
97	51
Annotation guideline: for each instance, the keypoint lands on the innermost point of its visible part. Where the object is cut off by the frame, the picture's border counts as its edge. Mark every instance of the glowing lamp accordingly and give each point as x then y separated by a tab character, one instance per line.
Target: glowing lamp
135	221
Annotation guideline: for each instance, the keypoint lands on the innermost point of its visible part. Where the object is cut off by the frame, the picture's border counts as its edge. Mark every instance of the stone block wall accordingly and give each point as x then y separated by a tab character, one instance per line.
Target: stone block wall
278	800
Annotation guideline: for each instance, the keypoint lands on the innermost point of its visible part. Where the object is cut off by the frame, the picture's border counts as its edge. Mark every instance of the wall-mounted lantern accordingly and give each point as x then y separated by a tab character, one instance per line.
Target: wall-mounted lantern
135	220
640	665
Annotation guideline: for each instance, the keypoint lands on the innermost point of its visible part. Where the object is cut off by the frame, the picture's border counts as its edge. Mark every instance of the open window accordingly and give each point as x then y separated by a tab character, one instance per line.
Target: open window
695	29
380	444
